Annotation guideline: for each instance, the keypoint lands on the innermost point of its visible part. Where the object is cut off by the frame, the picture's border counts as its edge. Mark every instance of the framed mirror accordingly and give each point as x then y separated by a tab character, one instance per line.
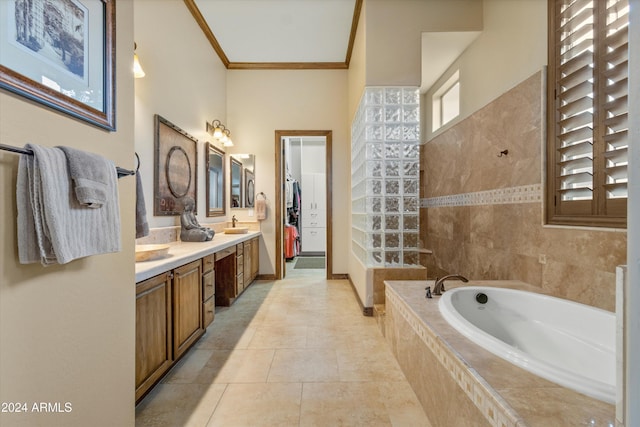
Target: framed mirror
215	181
249	188
242	180
236	183
176	168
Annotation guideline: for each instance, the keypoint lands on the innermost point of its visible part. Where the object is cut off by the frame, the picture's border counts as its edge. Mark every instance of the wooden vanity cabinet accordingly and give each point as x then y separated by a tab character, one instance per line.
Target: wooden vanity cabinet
173	309
240	263
208	290
236	267
225	272
255	258
187	306
251	260
153	331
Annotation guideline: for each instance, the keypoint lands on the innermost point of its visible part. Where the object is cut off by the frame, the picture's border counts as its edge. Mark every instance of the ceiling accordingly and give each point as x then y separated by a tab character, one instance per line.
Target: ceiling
304	34
279	34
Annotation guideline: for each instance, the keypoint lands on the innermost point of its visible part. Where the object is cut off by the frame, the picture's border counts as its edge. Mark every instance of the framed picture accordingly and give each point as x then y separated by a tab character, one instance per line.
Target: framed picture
176	168
61	53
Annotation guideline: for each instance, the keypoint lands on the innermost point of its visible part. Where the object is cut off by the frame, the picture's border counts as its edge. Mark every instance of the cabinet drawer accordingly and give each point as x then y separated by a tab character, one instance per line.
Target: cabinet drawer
208	284
314	218
208	262
239	283
239	248
225	253
239	263
208	311
314	239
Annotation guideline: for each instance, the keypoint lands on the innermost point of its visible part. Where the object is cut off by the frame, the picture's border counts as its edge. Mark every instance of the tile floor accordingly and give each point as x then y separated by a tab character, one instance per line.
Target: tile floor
294	352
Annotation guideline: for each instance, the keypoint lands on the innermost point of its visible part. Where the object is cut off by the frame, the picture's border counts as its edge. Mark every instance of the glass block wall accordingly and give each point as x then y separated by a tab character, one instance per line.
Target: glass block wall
385	169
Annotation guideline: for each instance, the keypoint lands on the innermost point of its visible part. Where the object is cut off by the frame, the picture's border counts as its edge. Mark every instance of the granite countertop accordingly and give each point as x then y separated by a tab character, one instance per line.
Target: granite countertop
537	401
181	253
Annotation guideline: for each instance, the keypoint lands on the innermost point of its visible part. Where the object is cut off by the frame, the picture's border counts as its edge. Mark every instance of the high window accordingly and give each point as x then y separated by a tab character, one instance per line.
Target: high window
446	102
587	113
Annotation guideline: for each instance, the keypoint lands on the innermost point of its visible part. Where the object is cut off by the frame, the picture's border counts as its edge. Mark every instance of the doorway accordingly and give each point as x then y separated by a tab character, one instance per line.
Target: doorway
313	236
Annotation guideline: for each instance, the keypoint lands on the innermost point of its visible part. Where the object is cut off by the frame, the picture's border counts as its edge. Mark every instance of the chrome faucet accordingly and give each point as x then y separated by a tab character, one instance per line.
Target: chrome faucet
233	221
438	288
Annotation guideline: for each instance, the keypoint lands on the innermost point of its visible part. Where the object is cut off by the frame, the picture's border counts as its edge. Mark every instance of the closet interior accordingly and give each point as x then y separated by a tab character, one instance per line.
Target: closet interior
305	197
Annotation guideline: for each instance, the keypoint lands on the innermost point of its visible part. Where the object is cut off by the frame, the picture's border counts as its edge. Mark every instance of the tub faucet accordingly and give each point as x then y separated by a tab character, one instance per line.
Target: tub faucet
233	221
438	288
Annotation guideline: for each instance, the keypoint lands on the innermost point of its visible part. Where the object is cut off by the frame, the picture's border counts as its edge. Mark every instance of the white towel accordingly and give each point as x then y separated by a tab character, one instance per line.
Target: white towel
261	209
53	227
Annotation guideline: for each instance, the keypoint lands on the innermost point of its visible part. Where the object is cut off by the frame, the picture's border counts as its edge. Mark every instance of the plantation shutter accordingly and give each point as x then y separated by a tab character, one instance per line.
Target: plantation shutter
588	82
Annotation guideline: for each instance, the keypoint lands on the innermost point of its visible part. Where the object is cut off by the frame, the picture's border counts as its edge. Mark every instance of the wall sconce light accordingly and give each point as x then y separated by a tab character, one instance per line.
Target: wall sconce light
226	138
215	129
138	72
219	132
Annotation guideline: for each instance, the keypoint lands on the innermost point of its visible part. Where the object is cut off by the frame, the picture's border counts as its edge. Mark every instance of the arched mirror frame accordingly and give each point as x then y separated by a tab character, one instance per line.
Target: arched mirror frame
215	210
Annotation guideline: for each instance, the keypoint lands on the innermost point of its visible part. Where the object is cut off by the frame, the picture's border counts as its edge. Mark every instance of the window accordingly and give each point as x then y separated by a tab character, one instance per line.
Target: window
446	102
587	113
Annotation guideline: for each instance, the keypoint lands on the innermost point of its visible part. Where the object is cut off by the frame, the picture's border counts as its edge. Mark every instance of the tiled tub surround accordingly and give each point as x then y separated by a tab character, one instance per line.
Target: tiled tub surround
459	383
482	215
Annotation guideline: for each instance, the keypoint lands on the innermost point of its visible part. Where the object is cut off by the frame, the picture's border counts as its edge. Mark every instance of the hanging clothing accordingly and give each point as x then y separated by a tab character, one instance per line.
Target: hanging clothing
292	242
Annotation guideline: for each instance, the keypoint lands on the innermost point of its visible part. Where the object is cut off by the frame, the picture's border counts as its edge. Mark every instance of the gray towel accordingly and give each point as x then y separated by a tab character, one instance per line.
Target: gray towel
142	227
53	227
90	174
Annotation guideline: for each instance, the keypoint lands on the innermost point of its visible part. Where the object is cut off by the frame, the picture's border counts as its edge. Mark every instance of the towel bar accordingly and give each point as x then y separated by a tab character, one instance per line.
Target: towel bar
121	172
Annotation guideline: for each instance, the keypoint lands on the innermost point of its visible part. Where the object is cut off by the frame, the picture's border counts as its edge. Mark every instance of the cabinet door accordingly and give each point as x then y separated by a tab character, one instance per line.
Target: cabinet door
248	259
255	257
314	239
187	307
314	195
153	331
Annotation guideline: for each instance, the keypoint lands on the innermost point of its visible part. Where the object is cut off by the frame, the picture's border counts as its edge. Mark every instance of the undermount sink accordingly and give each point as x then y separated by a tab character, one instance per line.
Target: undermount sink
236	230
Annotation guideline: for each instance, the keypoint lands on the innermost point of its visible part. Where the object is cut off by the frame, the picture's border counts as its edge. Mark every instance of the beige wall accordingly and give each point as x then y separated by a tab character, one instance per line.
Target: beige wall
511	47
357	81
263	101
185	84
493	239
357	73
394	35
67	332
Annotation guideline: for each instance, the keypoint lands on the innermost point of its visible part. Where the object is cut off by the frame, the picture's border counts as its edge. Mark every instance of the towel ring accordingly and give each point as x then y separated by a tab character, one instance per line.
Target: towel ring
138	160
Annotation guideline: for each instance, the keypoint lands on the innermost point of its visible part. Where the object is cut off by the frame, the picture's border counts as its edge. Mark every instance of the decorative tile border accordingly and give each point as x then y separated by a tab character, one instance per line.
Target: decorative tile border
487	400
524	194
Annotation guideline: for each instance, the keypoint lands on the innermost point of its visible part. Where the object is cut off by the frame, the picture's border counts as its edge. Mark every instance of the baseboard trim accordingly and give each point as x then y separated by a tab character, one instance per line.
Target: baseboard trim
266	277
340	277
366	311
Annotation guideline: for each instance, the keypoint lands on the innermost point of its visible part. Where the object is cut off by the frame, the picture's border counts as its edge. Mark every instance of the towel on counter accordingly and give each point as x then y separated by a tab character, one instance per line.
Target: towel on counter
90	174
54	228
142	227
261	209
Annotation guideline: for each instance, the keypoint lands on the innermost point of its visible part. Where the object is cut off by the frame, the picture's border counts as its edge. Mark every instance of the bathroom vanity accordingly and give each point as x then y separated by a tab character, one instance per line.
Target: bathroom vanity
176	297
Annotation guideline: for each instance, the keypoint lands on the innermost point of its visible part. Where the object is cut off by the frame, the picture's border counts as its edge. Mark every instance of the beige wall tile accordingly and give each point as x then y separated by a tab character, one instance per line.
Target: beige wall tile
508	241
